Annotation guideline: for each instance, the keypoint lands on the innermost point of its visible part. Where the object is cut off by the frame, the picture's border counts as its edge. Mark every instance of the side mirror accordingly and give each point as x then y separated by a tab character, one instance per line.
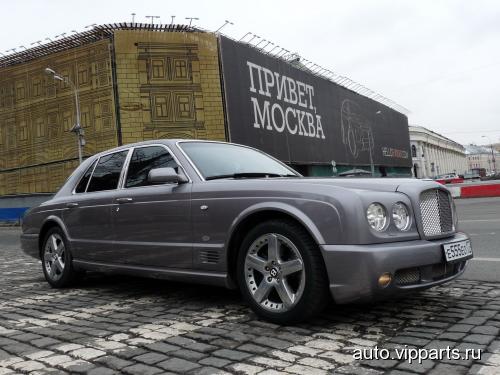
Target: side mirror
165	176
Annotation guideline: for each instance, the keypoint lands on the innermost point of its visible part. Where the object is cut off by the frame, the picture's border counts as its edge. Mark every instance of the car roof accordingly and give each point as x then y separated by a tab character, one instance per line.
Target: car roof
166	141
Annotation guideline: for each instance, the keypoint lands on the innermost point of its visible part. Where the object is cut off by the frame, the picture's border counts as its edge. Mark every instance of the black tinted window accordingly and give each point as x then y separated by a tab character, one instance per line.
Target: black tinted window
80	188
107	173
143	160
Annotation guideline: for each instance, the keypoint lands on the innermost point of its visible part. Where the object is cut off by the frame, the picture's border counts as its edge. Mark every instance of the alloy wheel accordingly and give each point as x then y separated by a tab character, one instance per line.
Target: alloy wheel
53	257
274	272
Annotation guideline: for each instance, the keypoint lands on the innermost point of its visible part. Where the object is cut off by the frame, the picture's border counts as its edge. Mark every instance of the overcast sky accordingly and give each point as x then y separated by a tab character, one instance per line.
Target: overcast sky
439	59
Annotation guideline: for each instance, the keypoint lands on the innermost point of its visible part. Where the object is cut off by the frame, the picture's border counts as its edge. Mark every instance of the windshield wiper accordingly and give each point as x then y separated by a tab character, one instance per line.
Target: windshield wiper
248	175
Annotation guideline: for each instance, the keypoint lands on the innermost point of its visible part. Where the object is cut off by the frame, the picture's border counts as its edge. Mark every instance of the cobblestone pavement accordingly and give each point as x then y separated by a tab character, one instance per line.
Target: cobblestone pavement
114	324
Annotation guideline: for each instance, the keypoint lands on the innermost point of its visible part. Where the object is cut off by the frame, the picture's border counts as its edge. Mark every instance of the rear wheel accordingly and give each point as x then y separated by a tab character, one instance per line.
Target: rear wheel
281	272
57	260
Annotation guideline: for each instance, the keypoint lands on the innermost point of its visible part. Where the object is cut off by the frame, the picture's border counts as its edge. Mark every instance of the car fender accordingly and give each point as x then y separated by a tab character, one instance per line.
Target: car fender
283	208
59	222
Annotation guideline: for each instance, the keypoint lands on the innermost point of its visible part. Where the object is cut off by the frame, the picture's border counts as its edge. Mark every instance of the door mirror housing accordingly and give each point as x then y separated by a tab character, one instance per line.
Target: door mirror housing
165	176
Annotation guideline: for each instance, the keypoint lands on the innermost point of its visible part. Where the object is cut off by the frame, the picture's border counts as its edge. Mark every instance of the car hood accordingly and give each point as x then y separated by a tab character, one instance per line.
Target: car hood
327	185
371	184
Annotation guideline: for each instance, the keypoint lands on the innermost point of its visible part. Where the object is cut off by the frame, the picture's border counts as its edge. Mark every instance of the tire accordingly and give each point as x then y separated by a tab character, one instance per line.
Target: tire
285	286
57	264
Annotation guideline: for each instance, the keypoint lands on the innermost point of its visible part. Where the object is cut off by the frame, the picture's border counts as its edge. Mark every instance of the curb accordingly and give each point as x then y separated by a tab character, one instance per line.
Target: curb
475	191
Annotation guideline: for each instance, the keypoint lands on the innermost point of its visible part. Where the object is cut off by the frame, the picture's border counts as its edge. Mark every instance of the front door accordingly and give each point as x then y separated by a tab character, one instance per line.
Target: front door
152	223
88	211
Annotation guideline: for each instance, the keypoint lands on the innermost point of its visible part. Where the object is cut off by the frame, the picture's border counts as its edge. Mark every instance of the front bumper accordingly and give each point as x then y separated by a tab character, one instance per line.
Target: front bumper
29	244
353	270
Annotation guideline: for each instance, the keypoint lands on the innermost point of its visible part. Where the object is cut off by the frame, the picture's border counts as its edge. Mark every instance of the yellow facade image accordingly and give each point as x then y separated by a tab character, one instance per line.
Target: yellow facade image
168	85
133	85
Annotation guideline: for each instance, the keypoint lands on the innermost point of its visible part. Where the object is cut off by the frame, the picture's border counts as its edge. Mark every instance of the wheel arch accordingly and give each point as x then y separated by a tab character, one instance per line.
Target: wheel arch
257	214
50	222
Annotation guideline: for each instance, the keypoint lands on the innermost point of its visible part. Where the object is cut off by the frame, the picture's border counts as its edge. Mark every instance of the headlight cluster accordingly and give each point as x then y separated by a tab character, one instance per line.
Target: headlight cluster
376	214
377	217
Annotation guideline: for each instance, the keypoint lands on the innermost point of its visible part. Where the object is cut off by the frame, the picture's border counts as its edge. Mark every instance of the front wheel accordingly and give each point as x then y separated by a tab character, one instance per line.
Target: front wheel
281	272
57	260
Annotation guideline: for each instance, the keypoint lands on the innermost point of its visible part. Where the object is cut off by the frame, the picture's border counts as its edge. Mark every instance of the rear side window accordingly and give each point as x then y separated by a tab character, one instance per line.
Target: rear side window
107	172
82	185
143	160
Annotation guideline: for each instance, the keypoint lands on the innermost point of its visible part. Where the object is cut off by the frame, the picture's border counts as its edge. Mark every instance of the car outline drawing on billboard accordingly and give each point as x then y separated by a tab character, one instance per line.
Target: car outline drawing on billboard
357	134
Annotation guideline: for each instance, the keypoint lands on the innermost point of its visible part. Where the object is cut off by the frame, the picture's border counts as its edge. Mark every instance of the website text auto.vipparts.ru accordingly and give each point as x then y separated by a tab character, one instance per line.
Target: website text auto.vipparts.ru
413	354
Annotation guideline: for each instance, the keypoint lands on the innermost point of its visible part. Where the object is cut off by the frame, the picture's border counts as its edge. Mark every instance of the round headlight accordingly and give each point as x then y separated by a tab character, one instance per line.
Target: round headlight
401	216
376	216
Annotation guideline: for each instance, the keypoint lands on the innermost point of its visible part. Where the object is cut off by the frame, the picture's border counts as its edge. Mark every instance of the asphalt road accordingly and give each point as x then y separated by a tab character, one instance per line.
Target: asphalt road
480	218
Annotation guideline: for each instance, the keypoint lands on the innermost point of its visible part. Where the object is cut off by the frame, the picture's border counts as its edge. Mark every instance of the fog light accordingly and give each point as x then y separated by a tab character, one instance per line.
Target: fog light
384	280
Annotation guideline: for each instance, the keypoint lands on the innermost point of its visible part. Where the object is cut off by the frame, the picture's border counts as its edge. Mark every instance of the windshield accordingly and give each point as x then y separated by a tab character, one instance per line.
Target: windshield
224	160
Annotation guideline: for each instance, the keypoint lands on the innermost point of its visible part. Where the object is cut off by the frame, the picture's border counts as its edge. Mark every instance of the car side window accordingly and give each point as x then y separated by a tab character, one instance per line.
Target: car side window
143	160
82	185
107	172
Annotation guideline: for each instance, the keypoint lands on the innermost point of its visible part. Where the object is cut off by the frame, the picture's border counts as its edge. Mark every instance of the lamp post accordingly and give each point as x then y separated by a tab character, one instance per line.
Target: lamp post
492	154
77	129
372	145
226	22
191	20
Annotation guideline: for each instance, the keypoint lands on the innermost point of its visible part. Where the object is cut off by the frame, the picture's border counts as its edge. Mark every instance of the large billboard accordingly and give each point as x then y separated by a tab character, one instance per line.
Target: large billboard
299	117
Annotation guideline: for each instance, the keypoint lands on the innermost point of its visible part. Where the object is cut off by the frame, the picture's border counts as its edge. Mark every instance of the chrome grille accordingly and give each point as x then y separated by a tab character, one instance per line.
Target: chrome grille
436	212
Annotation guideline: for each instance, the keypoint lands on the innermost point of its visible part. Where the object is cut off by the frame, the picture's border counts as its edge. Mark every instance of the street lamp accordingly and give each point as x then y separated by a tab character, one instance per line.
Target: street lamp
226	22
492	154
77	129
191	20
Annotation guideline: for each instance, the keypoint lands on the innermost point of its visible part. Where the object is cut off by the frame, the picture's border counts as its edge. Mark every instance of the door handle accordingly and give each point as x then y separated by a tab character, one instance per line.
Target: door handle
71	204
124	200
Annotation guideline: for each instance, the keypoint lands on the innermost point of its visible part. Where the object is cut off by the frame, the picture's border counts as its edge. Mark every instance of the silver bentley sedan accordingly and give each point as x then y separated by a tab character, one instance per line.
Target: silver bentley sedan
230	215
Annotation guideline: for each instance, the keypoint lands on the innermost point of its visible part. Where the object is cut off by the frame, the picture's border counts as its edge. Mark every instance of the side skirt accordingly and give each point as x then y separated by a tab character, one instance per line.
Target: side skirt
196	277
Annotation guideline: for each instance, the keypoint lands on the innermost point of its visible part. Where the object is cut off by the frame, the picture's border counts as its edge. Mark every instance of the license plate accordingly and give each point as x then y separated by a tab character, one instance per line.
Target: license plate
457	251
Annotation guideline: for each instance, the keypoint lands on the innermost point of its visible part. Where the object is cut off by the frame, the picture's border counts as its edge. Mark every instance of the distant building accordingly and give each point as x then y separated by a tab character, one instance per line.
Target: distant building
433	154
480	157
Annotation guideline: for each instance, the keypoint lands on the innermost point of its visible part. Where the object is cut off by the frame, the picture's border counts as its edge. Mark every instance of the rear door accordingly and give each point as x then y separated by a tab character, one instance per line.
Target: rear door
152	223
88	212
